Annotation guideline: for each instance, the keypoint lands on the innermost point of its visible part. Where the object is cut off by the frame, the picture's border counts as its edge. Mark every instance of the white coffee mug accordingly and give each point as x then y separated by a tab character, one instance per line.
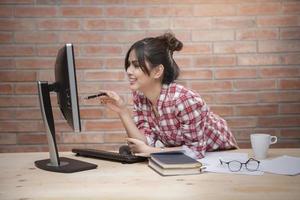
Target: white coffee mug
260	144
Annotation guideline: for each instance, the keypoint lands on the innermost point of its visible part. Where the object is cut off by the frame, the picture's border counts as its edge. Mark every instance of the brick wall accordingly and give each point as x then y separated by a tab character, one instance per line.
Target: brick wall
242	56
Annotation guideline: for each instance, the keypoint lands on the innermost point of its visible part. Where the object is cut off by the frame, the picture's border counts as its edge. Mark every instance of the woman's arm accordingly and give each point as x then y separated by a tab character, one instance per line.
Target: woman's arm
115	103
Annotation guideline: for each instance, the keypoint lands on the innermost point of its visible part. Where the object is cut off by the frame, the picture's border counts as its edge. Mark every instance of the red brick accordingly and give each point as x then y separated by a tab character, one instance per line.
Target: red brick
35	11
291	7
7	63
123	37
236	98
195	48
184	62
47	50
268	72
290	59
195	74
6	37
32	138
46	75
6	11
290	33
81	11
170	10
104	24
16	24
235	47
36	37
289	84
17	76
21	101
257	34
7	113
279	46
26	88
101	50
17	1
114	137
83	138
187	23
235	73
17	50
58	24
259	9
104	75
80	37
234	23
215	61
136	11
211	86
281	121
212	35
259	59
255	84
256	110
214	10
8	138
281	96
104	2
28	113
114	63
21	126
95	87
103	126
277	21
241	122
290	133
35	63
223	110
6	88
89	63
91	113
289	108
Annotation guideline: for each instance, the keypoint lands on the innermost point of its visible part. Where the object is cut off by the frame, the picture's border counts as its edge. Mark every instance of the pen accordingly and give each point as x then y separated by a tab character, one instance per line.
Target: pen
96	95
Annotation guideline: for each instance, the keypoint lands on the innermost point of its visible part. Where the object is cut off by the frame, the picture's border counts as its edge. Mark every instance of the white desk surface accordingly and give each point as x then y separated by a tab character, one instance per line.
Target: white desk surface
20	179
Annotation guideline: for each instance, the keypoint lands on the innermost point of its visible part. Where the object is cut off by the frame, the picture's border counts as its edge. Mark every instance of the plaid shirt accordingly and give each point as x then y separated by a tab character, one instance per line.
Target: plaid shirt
183	119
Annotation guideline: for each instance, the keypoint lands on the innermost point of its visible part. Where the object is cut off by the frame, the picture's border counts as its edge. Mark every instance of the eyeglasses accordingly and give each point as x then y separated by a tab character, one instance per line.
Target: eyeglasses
235	165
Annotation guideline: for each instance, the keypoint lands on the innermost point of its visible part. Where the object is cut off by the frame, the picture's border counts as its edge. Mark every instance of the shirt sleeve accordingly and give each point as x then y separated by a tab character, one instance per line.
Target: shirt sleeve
140	119
191	113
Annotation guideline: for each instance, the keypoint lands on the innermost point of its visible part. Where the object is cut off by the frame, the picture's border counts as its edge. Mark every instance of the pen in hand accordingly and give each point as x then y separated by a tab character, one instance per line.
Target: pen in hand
96	95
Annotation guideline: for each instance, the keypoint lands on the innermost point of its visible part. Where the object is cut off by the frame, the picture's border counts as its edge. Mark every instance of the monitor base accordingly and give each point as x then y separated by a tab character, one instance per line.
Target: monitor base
68	165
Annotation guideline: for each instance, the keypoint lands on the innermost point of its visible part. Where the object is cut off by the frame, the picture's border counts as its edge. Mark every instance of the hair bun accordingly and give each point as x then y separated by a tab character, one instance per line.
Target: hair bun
173	43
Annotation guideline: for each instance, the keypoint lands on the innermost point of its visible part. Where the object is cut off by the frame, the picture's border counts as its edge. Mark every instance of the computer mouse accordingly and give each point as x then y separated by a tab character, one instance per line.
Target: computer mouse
125	150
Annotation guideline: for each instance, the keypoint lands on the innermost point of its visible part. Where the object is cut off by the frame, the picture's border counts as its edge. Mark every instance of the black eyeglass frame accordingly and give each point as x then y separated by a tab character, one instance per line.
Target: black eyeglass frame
241	164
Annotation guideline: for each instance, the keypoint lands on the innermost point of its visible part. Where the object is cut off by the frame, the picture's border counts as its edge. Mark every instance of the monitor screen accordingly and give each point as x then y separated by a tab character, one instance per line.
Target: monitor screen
66	87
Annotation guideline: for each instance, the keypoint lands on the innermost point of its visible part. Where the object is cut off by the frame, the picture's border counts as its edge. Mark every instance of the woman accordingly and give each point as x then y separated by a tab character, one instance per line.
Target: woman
166	115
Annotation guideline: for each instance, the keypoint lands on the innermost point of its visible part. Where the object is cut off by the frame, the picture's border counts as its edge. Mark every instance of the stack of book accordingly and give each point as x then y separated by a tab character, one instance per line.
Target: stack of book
174	163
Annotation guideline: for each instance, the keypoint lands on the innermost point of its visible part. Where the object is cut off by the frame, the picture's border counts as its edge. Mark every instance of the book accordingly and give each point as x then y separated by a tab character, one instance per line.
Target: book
173	171
174	159
174	163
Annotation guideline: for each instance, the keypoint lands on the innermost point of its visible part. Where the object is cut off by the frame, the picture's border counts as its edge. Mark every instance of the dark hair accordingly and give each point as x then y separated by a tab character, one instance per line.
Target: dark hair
156	51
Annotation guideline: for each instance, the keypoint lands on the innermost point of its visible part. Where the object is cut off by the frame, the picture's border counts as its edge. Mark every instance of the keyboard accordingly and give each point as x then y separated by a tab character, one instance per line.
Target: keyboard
108	155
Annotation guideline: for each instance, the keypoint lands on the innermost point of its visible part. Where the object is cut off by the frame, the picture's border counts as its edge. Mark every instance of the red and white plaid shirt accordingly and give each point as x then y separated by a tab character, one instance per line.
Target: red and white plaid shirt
183	119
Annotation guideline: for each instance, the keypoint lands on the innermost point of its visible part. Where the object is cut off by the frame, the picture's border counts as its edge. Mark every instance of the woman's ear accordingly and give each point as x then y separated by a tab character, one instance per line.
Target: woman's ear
158	71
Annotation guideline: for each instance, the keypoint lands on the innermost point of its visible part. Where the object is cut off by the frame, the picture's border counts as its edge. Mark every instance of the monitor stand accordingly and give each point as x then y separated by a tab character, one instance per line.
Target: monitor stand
55	163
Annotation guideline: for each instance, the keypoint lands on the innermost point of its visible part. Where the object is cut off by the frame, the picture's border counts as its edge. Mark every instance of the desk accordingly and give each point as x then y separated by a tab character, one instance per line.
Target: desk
20	179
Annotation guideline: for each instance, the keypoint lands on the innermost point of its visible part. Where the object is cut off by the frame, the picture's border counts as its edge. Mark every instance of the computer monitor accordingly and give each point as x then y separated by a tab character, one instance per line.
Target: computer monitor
65	86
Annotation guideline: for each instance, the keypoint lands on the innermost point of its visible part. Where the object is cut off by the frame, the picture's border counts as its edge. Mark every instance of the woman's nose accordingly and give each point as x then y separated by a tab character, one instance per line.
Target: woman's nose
129	69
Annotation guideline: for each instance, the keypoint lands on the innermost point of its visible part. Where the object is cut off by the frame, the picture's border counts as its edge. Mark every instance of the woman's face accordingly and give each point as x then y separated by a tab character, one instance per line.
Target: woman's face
138	80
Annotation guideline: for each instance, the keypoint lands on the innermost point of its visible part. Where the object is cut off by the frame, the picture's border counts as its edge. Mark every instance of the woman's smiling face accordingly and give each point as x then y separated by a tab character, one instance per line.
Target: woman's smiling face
138	80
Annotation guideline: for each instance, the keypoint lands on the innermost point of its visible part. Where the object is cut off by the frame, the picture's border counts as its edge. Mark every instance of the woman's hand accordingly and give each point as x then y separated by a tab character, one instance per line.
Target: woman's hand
139	147
113	101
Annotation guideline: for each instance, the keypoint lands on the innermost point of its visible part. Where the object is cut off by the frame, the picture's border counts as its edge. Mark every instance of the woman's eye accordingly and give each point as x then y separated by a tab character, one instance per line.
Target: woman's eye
136	65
